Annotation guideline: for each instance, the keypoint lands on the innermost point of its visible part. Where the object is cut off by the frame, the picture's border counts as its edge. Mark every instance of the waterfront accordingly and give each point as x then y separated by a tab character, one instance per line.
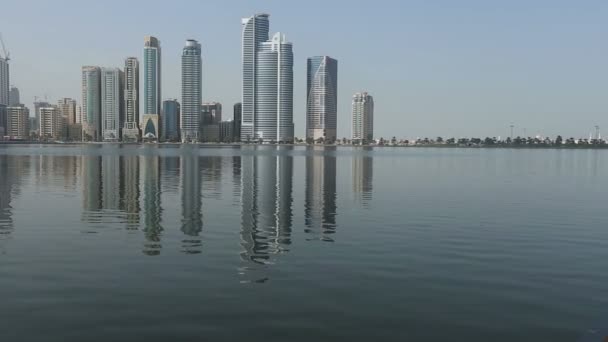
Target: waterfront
155	243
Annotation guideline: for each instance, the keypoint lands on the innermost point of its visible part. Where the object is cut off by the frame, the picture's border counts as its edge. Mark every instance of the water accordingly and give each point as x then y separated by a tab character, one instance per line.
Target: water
142	243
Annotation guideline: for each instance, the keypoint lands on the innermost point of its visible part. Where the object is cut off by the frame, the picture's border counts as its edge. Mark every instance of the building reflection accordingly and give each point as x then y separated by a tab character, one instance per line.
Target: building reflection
192	203
152	206
266	199
130	192
12	170
320	199
363	178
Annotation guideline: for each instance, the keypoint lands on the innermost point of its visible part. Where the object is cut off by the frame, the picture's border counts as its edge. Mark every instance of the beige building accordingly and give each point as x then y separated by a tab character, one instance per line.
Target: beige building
18	122
51	123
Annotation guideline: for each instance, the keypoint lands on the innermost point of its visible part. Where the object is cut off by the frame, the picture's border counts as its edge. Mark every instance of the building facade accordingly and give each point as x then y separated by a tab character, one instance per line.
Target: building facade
171	120
91	103
4	92
211	113
255	31
152	75
322	98
67	107
51	123
14	99
18	122
111	103
37	105
130	129
274	96
237	118
363	118
192	92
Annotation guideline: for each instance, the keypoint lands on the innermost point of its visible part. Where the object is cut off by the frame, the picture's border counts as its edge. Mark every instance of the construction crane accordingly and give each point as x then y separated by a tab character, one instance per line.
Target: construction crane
7	55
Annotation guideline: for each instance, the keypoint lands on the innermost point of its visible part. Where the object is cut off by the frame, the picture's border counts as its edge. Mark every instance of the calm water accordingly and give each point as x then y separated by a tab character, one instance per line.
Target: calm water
141	243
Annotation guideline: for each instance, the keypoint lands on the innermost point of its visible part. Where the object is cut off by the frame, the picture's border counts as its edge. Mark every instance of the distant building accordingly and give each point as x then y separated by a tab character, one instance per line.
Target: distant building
111	103
51	123
211	113
4	93
210	133
191	91
18	122
226	131
170	120
237	121
91	103
14	99
274	91
67	107
37	106
130	129
152	75
150	129
255	31
363	118
322	98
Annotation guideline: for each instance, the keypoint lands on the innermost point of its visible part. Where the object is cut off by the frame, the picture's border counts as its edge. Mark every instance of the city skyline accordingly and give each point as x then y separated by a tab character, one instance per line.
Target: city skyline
481	86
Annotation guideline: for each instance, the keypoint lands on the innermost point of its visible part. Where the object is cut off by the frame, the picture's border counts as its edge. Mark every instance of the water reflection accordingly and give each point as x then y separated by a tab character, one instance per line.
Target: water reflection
150	174
363	178
320	206
266	199
192	203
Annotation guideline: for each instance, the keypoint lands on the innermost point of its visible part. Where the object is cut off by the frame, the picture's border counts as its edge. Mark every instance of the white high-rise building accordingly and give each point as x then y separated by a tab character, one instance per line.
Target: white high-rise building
18	122
363	118
91	103
274	94
130	130
51	123
255	32
111	103
192	92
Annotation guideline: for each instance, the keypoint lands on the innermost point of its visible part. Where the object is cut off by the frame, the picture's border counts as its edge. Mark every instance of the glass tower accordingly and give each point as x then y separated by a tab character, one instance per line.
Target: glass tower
191	91
152	75
322	98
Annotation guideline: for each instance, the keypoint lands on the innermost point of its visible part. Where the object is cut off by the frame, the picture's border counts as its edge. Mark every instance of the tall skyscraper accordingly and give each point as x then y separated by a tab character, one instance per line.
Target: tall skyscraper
322	98
4	91
91	103
18	122
67	107
152	75
191	91
111	103
274	97
170	120
237	121
130	130
363	118
255	32
14	99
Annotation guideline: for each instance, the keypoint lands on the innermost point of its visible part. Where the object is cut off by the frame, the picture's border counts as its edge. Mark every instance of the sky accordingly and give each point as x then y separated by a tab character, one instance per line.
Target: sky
435	68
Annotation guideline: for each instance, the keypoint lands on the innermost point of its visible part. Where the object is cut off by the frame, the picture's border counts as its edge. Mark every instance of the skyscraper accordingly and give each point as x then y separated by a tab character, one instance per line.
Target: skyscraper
170	122
4	90
274	96
363	118
91	103
191	91
111	103
152	75
130	130
13	97
322	98
255	32
50	123
37	105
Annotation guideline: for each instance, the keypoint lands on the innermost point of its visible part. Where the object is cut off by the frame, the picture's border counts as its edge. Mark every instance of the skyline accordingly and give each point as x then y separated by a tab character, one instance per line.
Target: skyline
466	71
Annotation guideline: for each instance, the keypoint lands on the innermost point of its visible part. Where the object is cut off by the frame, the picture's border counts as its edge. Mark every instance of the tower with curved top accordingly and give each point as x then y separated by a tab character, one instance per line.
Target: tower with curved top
322	98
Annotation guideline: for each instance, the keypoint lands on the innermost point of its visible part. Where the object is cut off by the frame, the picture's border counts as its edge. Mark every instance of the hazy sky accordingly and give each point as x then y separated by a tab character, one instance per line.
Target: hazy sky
450	68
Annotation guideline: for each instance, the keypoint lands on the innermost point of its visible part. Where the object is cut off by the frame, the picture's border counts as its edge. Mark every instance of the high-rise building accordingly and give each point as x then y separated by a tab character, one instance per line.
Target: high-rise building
363	118
37	105
130	130
237	121
18	122
67	107
191	91
211	113
255	32
152	75
13	97
51	123
274	96
322	98
91	103
111	103
4	91
170	120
